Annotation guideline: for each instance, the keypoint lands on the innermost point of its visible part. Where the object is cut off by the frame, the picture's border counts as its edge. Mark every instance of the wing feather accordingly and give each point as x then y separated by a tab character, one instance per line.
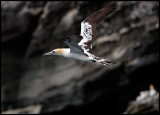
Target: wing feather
72	42
88	28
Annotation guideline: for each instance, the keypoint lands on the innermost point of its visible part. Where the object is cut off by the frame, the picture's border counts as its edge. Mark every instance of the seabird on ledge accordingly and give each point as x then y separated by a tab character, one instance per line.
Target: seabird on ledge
81	46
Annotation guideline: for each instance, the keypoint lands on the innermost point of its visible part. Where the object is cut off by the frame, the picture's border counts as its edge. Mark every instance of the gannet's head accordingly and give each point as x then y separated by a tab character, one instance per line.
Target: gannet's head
55	52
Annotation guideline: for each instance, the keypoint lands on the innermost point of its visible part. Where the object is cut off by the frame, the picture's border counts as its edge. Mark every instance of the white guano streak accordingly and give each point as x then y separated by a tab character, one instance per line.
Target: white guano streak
86	33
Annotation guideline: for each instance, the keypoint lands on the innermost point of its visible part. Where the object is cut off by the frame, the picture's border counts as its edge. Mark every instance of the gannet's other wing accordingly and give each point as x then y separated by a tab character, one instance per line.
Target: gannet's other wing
88	27
72	42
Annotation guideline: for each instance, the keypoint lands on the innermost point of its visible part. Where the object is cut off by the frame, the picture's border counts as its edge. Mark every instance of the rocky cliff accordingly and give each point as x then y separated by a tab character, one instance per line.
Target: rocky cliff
129	36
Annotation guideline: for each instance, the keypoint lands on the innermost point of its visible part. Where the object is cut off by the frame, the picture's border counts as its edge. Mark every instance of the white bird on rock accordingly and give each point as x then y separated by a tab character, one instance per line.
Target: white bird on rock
81	46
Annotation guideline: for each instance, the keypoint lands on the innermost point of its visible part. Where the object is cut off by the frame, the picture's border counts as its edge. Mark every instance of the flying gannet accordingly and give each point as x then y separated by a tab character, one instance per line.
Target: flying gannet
81	46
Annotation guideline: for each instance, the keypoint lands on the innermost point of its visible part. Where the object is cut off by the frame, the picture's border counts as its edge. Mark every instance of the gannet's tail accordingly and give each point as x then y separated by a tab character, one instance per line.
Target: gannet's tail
103	61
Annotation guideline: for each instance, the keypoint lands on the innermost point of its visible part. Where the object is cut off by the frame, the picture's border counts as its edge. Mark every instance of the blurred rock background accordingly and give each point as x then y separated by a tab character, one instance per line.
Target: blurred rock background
129	36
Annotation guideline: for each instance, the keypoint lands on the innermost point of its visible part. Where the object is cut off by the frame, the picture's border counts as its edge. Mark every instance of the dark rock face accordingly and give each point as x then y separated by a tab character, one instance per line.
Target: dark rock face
130	37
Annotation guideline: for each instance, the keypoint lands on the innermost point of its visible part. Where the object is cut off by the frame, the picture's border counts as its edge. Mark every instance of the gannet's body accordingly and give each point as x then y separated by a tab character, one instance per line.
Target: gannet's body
66	53
81	46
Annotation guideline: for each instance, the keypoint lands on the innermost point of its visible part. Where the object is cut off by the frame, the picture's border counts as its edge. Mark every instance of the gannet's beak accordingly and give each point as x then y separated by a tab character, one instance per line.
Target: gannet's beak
50	53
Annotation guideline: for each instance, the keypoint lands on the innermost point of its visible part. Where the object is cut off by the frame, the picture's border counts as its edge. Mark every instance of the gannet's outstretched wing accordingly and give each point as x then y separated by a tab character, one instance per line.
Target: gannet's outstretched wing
83	43
88	28
72	42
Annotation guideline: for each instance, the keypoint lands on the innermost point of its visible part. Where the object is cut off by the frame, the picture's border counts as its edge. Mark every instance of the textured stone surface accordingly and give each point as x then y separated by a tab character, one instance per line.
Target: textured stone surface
145	103
130	37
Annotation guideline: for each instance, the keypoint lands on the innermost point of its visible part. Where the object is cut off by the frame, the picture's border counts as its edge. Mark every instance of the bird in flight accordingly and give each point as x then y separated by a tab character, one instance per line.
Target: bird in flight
80	47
